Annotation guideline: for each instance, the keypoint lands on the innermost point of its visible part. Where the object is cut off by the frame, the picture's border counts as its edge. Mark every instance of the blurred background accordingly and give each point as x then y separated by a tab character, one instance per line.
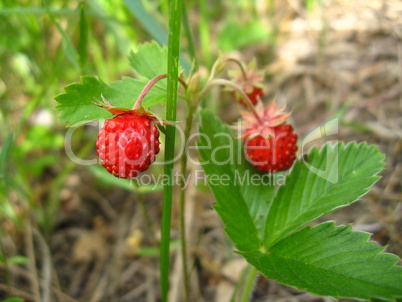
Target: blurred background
75	233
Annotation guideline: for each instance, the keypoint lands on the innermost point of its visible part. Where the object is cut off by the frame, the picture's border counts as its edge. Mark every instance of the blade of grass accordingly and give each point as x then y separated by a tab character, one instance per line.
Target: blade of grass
5	152
204	33
190	41
70	50
150	25
36	10
154	29
172	83
83	39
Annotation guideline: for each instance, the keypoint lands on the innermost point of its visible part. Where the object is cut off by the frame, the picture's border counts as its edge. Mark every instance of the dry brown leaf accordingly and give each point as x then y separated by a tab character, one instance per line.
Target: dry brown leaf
90	245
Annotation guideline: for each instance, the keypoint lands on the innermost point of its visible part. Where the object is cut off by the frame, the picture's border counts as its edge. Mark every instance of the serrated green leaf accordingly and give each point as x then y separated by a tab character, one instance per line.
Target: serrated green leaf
149	61
331	178
77	107
242	205
332	261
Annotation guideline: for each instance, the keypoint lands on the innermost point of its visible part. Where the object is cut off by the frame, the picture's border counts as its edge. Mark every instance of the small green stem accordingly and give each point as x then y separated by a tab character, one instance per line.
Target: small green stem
249	286
235	87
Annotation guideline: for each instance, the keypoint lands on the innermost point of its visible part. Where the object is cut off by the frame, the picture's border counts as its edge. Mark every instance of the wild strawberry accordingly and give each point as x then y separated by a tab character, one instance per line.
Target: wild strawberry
269	142
127	144
250	81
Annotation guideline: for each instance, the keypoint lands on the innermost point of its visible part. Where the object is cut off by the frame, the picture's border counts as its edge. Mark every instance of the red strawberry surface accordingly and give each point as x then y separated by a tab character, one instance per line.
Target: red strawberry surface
272	153
127	144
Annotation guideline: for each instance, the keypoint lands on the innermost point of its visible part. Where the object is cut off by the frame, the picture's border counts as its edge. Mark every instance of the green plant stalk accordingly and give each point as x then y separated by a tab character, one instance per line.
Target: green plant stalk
172	83
204	33
249	286
183	172
190	42
70	50
83	39
7	273
243	275
32	263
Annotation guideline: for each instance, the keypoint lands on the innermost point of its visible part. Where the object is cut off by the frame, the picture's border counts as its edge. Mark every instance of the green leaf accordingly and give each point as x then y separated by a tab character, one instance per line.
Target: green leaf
5	152
77	107
18	260
13	299
242	194
332	261
331	178
101	173
236	35
149	61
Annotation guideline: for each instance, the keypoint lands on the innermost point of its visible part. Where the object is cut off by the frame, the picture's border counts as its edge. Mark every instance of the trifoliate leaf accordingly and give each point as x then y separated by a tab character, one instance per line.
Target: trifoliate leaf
332	261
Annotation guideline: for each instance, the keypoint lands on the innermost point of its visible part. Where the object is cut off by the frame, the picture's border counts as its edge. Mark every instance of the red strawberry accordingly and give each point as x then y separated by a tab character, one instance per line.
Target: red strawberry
269	142
127	144
274	153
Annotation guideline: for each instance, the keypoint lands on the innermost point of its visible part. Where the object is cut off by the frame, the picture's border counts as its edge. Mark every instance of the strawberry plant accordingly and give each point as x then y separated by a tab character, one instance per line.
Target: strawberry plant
269	223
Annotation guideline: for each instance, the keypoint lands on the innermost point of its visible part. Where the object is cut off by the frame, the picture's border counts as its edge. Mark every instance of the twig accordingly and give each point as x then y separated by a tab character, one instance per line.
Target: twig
31	261
46	267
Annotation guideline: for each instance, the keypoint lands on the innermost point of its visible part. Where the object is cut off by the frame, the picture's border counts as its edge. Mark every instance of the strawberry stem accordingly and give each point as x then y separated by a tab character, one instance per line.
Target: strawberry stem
240	64
225	82
150	84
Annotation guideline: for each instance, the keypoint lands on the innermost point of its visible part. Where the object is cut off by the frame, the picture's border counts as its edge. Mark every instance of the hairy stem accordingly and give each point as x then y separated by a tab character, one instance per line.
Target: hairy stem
241	66
150	84
235	87
147	88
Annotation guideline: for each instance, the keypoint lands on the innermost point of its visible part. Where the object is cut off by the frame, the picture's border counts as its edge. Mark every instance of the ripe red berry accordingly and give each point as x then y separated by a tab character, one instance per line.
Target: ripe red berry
127	144
269	142
272	153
